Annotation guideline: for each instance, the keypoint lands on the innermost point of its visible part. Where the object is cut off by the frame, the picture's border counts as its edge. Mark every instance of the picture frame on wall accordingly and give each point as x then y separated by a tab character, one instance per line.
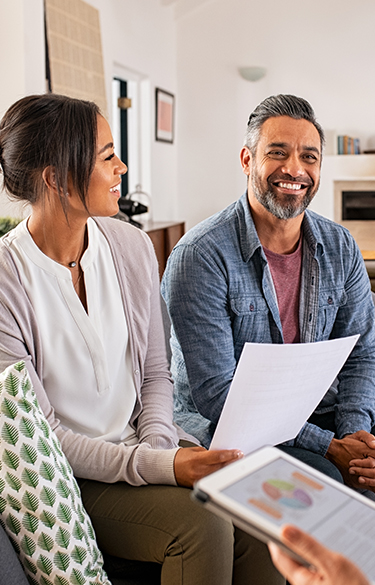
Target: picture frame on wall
164	116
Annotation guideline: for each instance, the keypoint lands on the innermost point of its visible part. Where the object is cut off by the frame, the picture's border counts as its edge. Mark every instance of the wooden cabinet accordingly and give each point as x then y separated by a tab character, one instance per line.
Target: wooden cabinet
164	236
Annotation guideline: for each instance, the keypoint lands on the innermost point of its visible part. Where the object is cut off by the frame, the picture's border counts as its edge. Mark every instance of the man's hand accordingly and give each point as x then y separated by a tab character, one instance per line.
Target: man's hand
358	446
192	463
364	470
329	568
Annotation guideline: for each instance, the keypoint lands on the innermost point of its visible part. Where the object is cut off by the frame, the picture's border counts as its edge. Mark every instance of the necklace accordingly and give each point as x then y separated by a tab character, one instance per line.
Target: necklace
76	283
73	263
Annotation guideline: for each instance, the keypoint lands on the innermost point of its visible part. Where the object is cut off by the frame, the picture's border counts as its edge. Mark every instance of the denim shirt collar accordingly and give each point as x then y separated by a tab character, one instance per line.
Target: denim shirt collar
249	240
312	250
311	235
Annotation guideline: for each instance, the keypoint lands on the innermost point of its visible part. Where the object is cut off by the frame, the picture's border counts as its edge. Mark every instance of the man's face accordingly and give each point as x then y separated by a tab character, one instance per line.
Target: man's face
285	171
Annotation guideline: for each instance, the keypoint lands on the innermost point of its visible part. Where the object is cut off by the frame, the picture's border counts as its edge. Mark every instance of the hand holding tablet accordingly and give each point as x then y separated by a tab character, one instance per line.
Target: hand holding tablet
329	568
268	489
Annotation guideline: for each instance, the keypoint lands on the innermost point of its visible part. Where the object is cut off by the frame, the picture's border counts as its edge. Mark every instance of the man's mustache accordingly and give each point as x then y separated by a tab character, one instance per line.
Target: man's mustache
286	178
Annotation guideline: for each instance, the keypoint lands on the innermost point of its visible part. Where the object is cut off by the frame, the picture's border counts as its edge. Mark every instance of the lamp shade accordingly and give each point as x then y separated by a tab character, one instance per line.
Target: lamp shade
252	73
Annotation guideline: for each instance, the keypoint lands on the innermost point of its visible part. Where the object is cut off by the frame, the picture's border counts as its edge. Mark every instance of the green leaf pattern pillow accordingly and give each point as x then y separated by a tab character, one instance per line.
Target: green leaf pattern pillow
40	502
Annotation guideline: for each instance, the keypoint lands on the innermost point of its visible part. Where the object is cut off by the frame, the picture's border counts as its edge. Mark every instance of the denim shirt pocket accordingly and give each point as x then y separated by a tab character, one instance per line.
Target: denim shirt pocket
249	315
329	304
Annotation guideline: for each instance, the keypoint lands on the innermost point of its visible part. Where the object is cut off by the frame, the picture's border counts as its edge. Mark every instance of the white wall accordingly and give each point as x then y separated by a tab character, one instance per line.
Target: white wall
137	35
322	51
22	68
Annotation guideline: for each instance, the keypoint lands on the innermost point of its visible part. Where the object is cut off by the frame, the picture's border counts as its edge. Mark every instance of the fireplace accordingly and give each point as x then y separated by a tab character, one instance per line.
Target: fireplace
354	207
358	205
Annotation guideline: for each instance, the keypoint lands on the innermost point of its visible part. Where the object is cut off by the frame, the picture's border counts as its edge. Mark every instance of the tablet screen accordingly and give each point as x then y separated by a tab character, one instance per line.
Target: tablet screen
284	493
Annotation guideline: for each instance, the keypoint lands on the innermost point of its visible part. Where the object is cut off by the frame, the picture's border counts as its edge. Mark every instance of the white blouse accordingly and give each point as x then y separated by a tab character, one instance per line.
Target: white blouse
87	371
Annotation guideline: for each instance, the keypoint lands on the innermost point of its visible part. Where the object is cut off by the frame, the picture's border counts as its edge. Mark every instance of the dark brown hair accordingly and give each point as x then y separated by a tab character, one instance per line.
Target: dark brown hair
50	130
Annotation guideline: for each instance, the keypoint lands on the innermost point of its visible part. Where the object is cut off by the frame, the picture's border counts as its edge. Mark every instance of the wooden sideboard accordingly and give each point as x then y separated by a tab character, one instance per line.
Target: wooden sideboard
164	236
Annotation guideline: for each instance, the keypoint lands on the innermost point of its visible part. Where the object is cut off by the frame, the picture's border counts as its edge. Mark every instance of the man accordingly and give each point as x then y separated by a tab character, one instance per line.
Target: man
266	270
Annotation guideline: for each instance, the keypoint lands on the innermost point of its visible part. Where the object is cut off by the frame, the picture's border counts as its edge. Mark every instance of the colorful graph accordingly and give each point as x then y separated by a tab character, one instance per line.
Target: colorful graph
287	494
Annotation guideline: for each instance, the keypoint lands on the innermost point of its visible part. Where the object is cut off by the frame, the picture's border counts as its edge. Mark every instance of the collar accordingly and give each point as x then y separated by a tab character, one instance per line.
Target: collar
21	236
249	240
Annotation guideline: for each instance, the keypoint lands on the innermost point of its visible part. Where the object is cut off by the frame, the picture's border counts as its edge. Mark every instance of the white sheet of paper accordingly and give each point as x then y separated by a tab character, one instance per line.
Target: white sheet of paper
275	389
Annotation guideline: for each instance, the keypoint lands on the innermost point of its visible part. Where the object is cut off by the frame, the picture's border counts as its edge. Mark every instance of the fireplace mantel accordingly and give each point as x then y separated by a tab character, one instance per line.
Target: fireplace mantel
352	172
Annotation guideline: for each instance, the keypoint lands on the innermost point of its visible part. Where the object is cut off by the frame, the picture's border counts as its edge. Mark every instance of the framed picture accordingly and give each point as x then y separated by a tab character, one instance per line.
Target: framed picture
164	119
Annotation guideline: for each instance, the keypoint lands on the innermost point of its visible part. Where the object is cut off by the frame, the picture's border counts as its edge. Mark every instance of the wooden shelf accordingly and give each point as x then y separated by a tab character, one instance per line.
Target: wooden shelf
368	254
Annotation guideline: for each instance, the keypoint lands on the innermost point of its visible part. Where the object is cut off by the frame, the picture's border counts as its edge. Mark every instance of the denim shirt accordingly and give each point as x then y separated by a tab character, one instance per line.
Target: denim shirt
219	293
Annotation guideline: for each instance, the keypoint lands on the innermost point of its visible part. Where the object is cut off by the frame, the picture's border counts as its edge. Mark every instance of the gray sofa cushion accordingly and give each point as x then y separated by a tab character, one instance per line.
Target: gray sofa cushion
11	572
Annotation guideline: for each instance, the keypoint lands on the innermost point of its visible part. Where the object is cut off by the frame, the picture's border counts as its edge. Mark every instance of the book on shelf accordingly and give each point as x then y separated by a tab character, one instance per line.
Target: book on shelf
348	145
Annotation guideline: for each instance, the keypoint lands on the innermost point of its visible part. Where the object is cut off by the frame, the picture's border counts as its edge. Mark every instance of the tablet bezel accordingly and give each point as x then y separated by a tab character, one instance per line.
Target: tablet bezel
208	491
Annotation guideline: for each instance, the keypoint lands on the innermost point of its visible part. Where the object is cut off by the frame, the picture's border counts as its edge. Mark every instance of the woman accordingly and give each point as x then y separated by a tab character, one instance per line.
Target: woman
79	303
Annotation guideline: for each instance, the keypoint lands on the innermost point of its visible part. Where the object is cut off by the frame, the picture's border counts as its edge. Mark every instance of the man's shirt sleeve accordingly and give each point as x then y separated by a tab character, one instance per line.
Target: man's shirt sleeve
195	291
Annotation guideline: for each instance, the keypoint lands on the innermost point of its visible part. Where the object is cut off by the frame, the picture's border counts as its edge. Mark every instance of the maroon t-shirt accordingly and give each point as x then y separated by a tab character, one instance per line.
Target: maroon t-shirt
286	275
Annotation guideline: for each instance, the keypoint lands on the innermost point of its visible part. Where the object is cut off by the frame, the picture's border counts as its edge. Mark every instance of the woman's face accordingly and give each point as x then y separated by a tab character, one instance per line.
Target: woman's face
104	186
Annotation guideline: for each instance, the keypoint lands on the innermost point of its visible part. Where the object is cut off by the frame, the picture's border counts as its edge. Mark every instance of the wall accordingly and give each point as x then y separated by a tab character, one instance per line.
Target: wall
138	38
322	51
22	50
22	69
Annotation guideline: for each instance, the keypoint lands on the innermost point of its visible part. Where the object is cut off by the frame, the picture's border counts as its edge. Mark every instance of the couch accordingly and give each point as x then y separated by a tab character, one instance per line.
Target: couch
120	572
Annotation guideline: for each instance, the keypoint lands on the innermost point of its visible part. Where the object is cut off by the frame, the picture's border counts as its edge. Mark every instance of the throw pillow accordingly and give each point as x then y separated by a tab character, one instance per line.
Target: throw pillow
40	502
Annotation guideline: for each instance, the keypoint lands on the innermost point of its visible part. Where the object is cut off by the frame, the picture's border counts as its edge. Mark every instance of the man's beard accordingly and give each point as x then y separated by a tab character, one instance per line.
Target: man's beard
287	207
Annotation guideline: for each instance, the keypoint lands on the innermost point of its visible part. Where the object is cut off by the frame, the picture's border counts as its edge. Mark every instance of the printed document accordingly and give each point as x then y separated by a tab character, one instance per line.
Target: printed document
276	387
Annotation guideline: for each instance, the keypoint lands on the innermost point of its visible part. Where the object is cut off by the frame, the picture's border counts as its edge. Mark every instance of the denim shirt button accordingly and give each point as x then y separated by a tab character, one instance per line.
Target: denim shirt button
330	300
251	307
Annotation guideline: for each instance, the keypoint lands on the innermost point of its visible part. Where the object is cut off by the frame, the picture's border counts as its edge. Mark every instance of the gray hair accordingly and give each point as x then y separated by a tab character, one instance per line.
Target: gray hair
279	105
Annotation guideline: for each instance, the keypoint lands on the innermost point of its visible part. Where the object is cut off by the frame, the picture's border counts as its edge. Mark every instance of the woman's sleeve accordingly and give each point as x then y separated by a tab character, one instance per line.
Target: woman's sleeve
90	458
155	422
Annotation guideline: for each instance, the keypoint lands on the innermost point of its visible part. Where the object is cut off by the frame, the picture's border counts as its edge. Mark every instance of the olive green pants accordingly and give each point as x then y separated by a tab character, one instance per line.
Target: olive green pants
161	524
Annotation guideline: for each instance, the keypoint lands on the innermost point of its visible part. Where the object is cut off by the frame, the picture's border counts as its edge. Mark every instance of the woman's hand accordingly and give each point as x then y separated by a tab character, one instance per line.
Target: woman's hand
192	463
330	568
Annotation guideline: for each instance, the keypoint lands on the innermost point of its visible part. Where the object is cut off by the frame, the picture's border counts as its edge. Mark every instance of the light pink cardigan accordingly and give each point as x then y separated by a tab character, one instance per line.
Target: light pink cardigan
151	460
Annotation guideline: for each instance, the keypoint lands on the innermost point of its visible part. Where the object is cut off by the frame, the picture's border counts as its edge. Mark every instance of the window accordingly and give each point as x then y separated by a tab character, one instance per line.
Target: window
131	128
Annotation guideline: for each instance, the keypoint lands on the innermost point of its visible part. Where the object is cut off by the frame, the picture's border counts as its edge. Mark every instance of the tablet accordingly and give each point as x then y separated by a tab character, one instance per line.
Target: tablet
267	489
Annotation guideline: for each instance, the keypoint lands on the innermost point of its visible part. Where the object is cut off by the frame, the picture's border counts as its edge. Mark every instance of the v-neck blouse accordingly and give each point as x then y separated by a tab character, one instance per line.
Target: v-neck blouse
87	370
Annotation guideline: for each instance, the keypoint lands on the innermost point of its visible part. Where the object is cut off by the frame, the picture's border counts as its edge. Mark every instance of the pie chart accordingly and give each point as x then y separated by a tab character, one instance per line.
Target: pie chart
287	494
